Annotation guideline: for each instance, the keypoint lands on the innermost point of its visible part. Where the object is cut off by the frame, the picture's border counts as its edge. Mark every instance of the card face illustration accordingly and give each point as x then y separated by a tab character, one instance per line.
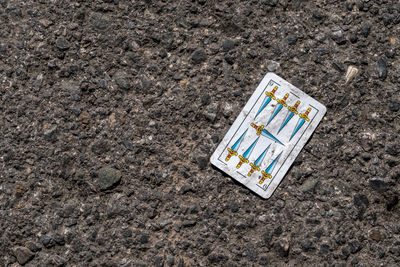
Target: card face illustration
268	134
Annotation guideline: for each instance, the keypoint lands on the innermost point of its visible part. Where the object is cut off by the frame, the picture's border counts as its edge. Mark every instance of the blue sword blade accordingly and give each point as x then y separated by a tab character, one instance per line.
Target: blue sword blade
270	136
247	153
298	126
271	166
266	102
237	143
289	116
261	157
276	111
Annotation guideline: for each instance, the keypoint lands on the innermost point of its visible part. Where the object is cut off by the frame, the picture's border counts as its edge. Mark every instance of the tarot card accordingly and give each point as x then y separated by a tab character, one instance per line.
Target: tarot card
268	135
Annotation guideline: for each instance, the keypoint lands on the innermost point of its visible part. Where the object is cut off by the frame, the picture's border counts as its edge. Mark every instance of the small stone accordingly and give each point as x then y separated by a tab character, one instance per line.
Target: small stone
345	253
365	29
62	44
67	211
205	100
366	156
354	246
163	53
216	258
59	239
381	67
45	22
144	238
227	110
170	260
57	261
272	65
186	188
320	37
202	162
20	190
70	222
84	118
50	134
375	235
234	206
307	245
264	260
338	37
228	45
72	89
127	233
262	218
37	83
324	249
162	223
108	178
223	222
199	56
351	73
112	119
23	255
378	184
188	223
229	59
394	106
270	3
159	244
211	114
318	15
101	147
338	66
52	65
33	246
3	49
122	80
309	185
361	201
158	261
238	93
392	202
282	247
392	149
292	39
47	241
99	21
353	38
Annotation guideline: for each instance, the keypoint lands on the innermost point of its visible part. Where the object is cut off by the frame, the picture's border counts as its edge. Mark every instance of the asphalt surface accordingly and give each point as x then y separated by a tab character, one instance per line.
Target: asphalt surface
110	111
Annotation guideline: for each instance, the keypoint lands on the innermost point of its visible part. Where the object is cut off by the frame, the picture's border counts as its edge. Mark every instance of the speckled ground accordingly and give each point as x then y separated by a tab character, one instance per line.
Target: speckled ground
110	111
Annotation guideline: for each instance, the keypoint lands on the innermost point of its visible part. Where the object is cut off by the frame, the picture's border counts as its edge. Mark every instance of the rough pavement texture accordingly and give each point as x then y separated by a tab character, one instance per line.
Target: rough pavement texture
148	88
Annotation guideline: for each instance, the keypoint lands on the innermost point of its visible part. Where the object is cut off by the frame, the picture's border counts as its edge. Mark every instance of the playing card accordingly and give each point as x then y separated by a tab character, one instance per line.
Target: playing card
268	135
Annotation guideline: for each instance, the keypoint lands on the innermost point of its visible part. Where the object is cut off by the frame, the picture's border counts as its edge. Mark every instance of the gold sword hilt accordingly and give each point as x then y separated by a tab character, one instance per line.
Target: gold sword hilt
294	107
242	160
253	168
283	100
258	128
305	115
265	176
231	153
272	93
